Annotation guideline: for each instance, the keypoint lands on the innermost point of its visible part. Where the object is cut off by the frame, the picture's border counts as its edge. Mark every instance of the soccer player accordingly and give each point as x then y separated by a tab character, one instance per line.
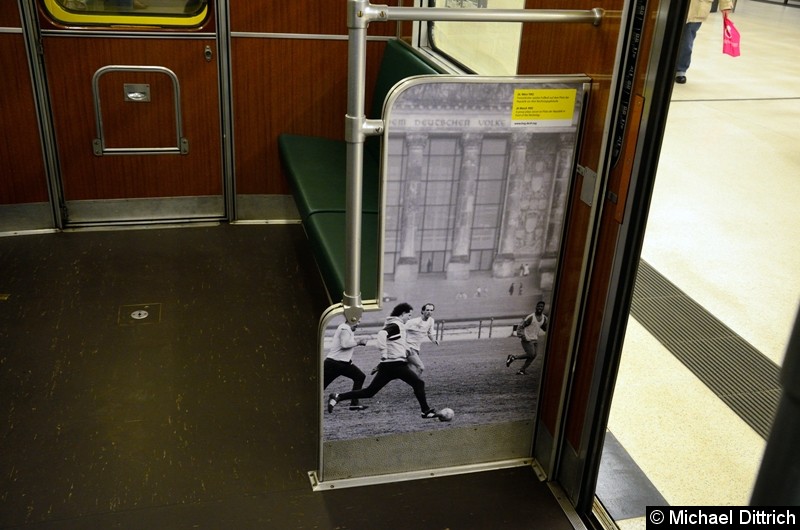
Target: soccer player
416	329
529	331
394	364
339	361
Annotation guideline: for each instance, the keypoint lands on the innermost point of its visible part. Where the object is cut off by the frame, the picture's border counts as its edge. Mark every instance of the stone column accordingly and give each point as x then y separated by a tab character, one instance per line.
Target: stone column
504	265
407	268
564	155
458	267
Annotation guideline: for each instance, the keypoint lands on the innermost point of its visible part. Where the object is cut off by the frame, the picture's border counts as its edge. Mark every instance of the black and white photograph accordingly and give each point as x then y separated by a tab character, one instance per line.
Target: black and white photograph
476	180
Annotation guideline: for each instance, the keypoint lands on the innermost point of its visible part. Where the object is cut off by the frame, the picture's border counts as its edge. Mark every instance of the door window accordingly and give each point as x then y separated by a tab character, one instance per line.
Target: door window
184	13
488	48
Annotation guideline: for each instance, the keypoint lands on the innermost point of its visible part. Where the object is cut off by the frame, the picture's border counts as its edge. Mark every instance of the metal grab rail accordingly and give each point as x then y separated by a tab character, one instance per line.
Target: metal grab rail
360	13
99	143
443	14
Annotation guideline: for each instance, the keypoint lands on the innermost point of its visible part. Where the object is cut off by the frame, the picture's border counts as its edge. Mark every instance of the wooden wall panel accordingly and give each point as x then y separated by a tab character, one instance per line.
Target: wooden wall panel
71	63
22	173
300	16
9	14
287	85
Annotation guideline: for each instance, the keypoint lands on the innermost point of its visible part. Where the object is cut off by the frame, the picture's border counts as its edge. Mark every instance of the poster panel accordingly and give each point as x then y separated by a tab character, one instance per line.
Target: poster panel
475	177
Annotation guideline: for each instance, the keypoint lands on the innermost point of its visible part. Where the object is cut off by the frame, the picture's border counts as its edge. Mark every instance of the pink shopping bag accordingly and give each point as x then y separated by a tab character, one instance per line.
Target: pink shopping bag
730	37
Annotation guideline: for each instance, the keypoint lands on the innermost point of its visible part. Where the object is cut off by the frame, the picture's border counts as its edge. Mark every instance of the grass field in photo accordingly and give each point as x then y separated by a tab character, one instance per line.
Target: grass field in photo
468	376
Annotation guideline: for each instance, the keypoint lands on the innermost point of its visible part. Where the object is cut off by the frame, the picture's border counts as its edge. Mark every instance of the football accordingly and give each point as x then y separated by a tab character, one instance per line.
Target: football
446	414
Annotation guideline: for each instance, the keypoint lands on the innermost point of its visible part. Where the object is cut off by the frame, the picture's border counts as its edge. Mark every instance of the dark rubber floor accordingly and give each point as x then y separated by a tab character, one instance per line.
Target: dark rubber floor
166	378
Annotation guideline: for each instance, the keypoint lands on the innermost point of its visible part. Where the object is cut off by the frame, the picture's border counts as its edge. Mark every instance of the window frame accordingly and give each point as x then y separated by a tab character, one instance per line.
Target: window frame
58	14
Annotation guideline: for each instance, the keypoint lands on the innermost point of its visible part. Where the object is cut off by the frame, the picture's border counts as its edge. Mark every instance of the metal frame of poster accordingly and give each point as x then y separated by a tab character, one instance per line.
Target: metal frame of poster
475	177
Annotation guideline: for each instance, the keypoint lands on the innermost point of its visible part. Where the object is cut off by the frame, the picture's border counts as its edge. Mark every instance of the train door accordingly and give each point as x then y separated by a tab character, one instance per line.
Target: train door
134	96
633	67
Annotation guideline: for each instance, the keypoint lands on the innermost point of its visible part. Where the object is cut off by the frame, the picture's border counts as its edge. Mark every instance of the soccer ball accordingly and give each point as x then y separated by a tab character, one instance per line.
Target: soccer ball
446	414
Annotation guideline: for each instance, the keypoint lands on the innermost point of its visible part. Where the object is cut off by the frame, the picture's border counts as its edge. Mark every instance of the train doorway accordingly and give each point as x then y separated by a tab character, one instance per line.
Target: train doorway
134	96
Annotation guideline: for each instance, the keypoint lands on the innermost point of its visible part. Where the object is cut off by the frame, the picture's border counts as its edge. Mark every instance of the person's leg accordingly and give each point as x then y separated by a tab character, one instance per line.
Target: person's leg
380	380
511	358
406	374
530	352
529	347
685	48
353	372
415	360
331	369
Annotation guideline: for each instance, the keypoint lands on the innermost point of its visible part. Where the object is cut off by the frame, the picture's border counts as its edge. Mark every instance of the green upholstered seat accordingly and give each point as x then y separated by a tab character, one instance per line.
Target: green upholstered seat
326	232
316	169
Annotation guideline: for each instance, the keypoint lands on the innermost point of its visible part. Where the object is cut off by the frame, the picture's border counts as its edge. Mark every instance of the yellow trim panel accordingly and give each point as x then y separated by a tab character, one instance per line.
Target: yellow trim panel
137	17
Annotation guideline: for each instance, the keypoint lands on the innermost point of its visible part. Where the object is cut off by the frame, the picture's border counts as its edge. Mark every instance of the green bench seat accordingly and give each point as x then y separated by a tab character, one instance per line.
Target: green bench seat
326	234
316	170
317	167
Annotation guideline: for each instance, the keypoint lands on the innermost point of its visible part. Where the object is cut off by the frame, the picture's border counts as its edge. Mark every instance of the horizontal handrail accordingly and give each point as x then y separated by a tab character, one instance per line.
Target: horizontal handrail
361	12
376	12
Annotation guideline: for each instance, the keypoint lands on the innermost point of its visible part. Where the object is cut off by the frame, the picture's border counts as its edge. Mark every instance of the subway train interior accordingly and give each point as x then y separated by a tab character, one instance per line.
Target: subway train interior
219	217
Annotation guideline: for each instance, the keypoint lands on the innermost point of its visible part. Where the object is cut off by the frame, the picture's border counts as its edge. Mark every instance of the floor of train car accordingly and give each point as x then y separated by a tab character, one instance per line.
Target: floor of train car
165	378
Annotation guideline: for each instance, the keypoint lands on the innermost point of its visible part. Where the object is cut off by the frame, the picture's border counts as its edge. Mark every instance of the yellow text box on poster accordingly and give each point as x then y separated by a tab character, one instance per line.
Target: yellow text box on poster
543	104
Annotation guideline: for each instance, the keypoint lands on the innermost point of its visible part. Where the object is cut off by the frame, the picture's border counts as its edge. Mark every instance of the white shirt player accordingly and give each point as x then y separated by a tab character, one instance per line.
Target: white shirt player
535	326
419	327
343	344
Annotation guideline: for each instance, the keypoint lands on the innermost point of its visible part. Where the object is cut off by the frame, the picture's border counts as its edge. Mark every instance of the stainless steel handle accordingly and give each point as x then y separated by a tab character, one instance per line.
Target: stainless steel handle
138	93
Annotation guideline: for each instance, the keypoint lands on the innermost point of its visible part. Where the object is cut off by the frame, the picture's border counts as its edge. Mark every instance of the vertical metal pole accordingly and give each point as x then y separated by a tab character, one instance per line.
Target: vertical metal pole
226	107
357	23
33	46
